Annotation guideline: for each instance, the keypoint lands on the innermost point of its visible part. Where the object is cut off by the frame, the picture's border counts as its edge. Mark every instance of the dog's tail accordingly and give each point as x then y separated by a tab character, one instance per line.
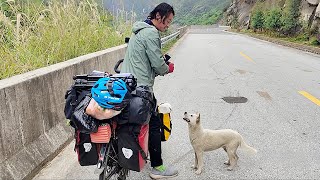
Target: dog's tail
246	147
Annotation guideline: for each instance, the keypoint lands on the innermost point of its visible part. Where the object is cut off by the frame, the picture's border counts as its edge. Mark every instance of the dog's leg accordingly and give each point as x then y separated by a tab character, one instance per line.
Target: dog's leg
233	157
195	166
199	155
237	157
228	161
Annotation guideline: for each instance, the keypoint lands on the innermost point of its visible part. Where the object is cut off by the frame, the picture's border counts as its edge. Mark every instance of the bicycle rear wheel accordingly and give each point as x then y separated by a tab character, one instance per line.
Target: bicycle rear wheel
114	173
112	170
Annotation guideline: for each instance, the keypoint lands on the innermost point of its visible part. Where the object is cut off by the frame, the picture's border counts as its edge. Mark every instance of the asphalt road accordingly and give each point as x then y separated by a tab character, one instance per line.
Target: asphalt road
280	118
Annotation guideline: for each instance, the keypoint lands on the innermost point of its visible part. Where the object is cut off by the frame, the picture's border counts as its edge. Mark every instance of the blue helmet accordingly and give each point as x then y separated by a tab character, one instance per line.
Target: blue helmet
111	94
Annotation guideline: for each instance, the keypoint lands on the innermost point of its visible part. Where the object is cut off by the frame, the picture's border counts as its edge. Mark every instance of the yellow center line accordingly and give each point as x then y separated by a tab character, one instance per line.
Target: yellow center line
310	97
247	57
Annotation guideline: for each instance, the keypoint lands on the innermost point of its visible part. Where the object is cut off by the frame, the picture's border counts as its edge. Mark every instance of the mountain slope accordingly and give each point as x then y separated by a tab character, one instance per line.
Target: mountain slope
187	11
201	12
138	8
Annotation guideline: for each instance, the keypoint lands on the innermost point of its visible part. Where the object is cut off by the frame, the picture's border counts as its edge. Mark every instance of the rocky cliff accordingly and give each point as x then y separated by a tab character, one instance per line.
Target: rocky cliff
240	11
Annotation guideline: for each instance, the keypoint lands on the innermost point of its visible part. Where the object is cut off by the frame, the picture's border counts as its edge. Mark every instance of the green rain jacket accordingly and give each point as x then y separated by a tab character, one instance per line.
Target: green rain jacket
143	57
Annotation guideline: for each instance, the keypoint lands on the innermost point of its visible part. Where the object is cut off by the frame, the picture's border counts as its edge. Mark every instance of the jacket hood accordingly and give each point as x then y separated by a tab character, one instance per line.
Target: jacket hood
139	26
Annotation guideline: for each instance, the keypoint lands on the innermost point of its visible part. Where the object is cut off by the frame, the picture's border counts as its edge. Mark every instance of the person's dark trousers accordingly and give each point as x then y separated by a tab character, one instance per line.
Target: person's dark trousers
155	140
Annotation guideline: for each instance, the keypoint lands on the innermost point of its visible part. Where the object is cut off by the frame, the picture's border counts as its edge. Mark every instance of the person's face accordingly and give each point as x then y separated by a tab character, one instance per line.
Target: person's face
164	22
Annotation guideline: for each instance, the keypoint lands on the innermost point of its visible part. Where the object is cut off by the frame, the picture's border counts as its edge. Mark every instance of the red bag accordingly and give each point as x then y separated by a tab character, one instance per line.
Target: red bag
133	146
103	134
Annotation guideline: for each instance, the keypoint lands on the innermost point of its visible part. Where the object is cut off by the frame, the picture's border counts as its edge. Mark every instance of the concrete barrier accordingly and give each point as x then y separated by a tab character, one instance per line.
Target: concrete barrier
32	123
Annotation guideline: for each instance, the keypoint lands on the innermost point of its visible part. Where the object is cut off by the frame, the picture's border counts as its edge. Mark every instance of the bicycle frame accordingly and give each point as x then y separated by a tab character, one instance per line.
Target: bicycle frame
108	164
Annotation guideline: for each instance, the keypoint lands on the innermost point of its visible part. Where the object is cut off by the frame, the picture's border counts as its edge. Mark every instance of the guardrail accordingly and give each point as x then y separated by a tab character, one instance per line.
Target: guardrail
169	38
181	31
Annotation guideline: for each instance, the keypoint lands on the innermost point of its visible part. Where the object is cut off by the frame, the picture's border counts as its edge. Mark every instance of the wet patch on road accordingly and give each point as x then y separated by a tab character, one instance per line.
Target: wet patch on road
264	95
232	100
306	70
241	71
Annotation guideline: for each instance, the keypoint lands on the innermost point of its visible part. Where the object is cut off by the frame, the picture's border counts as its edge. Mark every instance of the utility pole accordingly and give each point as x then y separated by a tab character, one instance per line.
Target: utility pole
132	18
122	6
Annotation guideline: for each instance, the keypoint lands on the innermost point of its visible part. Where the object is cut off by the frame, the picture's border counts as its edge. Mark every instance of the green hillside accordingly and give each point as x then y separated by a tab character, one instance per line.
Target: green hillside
188	12
200	12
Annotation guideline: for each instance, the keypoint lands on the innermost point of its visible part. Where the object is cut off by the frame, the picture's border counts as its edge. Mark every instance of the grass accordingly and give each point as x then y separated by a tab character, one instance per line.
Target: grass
35	35
169	45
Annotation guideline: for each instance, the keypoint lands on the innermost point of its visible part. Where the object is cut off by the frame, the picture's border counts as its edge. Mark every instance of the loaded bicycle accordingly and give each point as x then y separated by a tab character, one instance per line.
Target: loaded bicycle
113	141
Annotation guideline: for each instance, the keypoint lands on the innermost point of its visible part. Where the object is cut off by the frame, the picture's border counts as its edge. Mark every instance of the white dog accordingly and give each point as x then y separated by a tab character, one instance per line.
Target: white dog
207	140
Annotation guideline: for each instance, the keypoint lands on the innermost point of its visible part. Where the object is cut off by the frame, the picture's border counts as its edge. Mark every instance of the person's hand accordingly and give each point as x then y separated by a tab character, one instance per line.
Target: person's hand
171	67
166	58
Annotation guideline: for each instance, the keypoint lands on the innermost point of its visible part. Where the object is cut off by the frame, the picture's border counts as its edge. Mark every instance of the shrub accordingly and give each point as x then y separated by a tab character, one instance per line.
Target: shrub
315	41
273	19
257	20
290	17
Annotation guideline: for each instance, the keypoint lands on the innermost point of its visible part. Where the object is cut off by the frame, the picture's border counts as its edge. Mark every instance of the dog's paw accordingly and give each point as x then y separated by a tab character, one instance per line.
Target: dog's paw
230	168
198	171
227	163
194	167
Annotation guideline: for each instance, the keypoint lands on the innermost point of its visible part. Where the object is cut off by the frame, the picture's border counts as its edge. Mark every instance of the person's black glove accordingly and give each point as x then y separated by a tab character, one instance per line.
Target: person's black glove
166	58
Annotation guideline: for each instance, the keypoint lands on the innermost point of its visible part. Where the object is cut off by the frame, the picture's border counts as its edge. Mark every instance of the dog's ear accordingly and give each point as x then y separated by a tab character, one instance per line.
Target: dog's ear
198	118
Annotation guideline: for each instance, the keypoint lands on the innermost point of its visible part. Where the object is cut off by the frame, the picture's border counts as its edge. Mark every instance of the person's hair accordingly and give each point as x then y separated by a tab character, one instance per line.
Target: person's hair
163	9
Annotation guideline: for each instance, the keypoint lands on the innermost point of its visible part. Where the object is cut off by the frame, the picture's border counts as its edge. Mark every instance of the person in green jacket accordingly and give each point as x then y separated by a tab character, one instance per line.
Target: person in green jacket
145	61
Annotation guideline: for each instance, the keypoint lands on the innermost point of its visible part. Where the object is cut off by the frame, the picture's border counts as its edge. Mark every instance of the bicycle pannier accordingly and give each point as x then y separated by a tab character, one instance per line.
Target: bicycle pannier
86	150
133	146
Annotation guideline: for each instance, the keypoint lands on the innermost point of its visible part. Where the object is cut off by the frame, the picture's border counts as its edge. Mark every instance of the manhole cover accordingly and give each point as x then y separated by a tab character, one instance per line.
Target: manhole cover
235	99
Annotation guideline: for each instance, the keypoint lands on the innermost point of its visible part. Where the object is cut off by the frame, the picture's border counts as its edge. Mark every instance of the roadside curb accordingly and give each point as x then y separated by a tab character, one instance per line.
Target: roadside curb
302	47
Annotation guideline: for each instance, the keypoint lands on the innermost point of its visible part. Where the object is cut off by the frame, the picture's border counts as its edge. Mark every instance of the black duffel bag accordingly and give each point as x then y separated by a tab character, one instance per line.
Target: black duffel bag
139	109
82	121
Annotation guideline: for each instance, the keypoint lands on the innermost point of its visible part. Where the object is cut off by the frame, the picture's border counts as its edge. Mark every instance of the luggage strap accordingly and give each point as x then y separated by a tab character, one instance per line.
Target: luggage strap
143	92
143	154
166	128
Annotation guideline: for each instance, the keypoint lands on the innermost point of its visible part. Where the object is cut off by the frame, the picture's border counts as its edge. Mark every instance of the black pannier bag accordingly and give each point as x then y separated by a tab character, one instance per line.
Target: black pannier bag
82	87
133	146
73	97
82	121
77	99
79	90
140	108
86	150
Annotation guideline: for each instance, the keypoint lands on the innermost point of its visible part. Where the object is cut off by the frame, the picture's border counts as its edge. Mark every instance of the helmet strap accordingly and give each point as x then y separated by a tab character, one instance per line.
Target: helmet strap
110	85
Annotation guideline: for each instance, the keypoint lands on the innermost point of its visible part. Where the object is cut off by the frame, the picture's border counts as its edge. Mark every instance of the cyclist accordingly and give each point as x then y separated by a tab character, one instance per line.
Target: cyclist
144	60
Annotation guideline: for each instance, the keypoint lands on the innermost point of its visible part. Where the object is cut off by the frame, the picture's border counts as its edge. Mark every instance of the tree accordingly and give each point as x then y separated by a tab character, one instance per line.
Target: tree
273	19
257	20
290	17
